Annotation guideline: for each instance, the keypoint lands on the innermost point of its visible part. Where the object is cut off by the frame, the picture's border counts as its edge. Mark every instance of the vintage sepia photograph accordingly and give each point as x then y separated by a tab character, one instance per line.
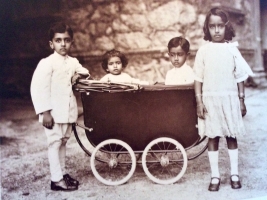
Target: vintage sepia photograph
133	99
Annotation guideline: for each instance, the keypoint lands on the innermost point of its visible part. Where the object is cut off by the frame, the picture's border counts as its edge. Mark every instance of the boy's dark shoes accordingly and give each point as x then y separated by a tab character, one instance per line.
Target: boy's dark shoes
214	187
235	184
62	186
69	180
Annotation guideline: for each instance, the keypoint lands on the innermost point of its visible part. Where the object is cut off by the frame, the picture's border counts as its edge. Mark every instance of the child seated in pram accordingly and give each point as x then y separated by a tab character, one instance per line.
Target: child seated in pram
114	62
181	74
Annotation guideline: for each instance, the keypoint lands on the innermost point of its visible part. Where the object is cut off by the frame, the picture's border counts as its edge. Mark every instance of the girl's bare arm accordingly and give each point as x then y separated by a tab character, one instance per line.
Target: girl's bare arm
241	95
200	106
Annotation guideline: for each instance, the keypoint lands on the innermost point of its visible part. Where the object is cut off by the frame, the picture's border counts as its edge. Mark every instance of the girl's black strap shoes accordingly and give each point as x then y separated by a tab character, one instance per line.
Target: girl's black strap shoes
235	184
214	187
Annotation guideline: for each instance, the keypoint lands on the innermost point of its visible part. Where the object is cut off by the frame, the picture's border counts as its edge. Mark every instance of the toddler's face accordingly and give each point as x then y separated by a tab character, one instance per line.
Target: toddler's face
61	43
177	56
216	28
114	65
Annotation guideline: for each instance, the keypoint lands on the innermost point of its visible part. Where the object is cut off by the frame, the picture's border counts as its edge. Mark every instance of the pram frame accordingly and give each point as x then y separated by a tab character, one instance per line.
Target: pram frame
89	88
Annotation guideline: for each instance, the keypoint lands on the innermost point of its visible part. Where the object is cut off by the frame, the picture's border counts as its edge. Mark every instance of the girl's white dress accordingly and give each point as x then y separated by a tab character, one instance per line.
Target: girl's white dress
220	66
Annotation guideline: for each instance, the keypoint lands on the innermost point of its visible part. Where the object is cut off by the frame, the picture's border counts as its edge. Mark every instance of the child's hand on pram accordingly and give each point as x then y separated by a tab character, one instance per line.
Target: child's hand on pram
75	78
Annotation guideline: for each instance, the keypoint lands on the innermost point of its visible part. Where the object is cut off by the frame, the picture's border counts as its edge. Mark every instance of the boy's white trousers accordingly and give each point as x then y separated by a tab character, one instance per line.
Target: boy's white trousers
57	138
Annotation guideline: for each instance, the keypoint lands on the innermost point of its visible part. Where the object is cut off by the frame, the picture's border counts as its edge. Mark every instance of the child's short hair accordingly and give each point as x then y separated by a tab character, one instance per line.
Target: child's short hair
229	31
59	27
113	53
179	41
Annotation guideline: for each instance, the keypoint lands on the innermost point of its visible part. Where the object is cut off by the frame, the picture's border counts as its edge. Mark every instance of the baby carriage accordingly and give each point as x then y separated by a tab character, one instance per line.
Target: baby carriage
129	124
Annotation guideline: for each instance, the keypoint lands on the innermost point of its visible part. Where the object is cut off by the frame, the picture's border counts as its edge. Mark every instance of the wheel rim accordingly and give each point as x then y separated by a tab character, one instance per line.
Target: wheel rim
118	162
197	149
164	160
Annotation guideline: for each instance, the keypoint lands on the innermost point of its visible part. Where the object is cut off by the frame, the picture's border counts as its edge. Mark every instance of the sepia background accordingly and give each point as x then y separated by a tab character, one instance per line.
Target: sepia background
141	29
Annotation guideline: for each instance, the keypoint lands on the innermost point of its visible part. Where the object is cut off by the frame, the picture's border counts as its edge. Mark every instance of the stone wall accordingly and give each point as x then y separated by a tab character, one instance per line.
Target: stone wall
139	28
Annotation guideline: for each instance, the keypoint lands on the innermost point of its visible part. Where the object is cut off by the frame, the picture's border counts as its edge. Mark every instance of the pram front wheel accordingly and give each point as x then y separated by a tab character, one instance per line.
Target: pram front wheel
113	162
164	160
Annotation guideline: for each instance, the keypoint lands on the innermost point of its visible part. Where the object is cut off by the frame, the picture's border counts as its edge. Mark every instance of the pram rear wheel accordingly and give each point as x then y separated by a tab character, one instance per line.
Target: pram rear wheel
164	160
113	162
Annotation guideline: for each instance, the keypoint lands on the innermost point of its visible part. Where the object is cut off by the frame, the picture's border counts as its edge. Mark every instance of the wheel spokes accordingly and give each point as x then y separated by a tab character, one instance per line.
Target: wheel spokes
164	160
116	162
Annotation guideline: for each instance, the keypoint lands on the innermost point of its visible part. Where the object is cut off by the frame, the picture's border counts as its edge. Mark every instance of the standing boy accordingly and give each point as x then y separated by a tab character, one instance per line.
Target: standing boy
55	103
181	74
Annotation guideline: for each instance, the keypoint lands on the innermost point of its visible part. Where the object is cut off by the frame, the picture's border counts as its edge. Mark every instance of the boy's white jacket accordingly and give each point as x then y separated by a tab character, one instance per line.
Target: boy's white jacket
51	87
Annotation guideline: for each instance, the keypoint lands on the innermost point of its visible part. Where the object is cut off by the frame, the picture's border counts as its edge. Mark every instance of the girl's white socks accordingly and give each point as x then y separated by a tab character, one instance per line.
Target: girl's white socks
213	158
233	154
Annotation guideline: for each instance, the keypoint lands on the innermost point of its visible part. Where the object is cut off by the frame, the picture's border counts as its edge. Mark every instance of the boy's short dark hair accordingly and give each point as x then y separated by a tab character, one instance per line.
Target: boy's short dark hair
229	31
59	27
113	53
179	41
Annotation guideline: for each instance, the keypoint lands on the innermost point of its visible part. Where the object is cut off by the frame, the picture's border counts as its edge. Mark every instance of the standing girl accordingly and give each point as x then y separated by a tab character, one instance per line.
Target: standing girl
220	71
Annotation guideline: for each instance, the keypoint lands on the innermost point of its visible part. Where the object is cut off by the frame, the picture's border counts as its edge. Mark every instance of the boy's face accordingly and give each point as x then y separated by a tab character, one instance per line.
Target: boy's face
216	28
61	43
114	65
177	56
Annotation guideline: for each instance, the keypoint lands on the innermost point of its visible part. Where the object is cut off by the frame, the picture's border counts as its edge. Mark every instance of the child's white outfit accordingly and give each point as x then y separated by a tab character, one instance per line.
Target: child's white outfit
51	89
220	66
121	78
180	76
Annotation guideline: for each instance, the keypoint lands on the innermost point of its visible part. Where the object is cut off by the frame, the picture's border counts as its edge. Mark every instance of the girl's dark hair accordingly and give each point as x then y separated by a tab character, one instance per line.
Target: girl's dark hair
179	41
113	53
229	31
59	27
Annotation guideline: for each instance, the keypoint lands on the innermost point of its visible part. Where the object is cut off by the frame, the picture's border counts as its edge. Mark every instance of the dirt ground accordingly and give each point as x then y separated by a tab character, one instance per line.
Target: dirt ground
25	170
